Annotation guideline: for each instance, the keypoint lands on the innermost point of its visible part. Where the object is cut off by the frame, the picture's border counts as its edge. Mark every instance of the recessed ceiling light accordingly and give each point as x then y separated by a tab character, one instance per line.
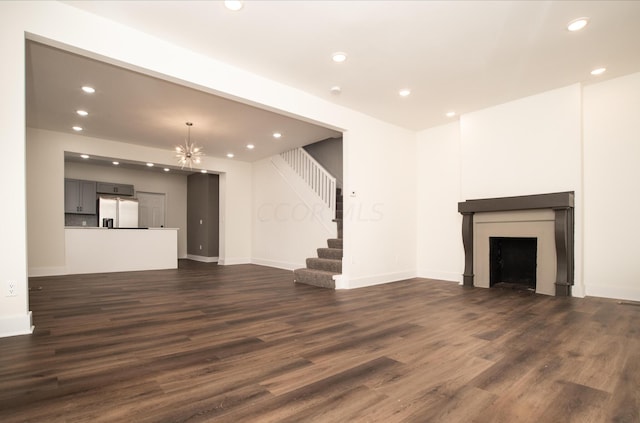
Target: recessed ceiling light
89	90
450	114
77	128
404	92
251	146
277	135
115	163
234	5
84	156
166	169
577	24
598	71
339	57
82	112
150	164
230	155
203	171
335	90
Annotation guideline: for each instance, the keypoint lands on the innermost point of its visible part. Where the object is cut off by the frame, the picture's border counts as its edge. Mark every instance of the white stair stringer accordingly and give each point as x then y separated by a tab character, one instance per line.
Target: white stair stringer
320	210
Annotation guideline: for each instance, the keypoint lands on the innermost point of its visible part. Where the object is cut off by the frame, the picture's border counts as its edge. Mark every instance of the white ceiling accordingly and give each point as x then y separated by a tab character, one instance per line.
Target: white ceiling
139	109
453	55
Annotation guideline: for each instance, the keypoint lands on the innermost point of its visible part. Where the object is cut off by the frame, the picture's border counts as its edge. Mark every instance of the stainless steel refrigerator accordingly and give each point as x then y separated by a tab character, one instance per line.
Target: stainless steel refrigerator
122	211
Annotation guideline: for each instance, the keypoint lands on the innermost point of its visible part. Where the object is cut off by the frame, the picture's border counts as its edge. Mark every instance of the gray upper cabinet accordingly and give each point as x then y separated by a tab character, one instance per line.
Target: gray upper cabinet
114	189
79	196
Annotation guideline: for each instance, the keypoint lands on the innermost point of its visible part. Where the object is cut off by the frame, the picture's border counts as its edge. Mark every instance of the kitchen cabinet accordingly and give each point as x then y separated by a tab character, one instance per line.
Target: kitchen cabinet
114	189
79	196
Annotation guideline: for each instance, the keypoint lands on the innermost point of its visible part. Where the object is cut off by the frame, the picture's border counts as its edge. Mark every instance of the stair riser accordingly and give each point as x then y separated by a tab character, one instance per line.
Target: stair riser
330	253
309	278
334	266
334	243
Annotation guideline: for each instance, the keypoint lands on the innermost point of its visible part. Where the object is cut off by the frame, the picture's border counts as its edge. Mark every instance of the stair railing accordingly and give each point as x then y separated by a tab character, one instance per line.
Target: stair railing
312	172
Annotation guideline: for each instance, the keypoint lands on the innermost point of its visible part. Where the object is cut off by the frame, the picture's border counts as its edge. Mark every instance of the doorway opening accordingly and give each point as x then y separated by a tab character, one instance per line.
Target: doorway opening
151	209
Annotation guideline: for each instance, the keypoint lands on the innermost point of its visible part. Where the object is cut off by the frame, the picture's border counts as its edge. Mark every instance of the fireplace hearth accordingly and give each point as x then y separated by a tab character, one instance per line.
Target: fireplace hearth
547	218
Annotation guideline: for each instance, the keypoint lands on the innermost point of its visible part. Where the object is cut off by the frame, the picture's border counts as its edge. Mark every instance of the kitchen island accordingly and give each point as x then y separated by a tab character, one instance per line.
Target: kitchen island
102	250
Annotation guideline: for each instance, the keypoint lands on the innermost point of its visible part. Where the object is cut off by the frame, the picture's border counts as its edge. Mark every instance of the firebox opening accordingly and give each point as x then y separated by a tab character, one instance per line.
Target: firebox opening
513	262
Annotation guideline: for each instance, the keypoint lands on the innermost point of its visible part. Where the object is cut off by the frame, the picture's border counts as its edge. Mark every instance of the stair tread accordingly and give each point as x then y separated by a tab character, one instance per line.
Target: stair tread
324	259
319	278
326	264
316	271
330	250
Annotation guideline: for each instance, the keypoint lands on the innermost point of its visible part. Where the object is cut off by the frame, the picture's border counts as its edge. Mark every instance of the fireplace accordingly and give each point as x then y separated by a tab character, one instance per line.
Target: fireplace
512	262
545	220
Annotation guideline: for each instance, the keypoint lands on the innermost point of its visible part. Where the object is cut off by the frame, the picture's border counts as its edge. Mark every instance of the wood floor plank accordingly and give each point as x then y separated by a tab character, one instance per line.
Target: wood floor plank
244	343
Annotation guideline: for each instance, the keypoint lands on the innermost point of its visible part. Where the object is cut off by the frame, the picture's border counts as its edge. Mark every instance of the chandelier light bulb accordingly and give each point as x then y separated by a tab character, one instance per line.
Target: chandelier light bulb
188	154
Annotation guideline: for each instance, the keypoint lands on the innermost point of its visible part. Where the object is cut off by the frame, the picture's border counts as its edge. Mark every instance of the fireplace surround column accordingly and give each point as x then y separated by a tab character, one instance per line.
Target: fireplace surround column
467	241
562	204
564	250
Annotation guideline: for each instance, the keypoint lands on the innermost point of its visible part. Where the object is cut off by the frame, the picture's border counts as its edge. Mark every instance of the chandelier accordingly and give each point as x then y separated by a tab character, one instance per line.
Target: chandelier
188	154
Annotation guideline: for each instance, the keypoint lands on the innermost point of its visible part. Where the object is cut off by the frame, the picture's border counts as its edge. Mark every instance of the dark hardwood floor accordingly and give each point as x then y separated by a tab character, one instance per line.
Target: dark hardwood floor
244	344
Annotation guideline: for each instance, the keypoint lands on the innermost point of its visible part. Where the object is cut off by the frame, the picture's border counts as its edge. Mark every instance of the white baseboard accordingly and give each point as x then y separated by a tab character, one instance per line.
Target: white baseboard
440	275
233	260
341	281
607	291
577	290
361	282
277	264
16	325
202	258
47	271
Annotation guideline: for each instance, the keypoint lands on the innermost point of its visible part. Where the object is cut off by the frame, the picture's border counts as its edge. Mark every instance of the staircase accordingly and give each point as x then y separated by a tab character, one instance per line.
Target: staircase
321	270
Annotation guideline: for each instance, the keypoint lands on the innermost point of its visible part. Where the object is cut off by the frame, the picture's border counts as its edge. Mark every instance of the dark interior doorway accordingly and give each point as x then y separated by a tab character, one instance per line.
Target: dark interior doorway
513	262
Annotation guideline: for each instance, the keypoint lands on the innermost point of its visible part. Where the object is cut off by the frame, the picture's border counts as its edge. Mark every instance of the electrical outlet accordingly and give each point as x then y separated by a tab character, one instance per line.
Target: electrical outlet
201	247
11	289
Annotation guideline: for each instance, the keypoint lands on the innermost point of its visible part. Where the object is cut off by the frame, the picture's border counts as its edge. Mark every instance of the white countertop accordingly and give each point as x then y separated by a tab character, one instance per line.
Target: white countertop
124	229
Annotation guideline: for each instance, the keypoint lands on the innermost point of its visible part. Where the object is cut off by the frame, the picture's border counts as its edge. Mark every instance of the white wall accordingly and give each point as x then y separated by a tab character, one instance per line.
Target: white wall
15	317
611	178
529	146
379	205
286	230
439	225
67	27
45	191
173	185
